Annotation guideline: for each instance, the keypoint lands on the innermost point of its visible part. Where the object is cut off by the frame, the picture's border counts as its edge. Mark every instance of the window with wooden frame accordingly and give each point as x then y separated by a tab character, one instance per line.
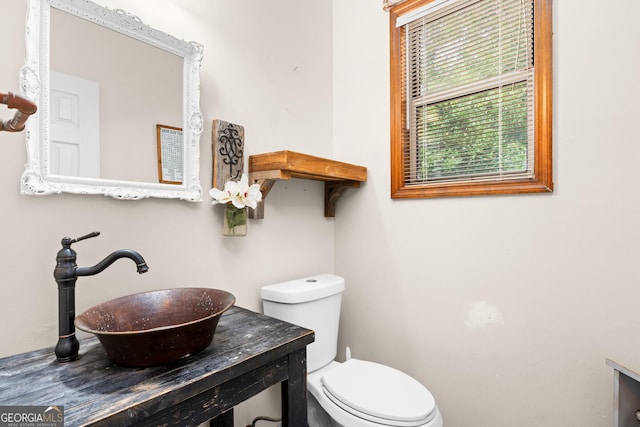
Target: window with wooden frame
470	97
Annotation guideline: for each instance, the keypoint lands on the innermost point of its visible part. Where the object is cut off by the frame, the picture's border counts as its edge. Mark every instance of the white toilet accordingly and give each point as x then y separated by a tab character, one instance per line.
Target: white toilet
355	393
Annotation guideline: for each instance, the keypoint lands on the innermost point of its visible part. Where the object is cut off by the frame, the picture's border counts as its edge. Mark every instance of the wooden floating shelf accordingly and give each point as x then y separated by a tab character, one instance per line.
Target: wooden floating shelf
265	169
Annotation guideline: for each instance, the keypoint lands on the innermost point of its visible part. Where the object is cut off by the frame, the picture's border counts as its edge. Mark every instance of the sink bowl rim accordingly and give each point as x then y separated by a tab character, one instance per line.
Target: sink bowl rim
78	321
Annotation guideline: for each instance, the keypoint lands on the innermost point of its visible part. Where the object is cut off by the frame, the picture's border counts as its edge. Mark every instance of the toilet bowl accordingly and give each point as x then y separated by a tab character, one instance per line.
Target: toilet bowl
359	393
355	393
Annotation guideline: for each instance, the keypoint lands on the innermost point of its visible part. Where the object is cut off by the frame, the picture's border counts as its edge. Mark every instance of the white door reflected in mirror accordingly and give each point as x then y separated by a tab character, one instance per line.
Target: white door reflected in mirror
75	126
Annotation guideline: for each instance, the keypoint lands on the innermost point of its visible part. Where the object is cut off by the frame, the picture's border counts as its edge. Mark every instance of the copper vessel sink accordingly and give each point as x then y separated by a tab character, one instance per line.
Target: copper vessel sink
153	328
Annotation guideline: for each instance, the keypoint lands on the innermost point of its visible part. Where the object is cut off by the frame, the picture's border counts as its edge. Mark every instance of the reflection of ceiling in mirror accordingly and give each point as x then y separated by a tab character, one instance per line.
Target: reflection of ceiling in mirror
140	87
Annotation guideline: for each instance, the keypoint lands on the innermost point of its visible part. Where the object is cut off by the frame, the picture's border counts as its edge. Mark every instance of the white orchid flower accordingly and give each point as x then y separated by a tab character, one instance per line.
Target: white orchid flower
239	193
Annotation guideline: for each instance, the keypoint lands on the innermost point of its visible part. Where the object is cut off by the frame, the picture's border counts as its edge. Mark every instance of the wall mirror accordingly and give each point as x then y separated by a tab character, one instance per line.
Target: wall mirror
104	79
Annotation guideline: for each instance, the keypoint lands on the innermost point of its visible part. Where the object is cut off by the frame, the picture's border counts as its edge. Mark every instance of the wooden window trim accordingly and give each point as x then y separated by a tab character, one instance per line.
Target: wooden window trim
542	182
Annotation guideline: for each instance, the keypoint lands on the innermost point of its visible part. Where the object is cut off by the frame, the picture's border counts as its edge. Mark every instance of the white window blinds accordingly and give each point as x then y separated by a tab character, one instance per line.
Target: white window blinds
470	96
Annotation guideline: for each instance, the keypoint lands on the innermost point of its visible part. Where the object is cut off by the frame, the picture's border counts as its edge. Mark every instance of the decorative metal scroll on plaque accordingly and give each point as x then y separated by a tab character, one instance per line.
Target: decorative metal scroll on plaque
228	152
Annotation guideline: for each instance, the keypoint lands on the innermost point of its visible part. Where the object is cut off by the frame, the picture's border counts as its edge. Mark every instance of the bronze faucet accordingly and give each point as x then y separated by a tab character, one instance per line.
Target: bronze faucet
66	273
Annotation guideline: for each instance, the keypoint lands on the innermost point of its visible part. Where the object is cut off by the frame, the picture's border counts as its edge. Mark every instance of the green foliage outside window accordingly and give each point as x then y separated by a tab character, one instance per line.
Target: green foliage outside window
475	134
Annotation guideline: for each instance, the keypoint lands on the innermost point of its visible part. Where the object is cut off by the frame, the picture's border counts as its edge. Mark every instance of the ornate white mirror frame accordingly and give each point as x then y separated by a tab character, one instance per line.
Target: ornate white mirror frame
34	84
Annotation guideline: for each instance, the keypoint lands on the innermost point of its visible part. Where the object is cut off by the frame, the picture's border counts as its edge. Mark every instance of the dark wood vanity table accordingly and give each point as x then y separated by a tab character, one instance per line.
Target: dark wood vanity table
249	353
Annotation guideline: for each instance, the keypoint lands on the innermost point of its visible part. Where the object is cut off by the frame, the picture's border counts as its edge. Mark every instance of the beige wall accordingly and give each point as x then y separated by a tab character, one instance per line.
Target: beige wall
254	74
505	307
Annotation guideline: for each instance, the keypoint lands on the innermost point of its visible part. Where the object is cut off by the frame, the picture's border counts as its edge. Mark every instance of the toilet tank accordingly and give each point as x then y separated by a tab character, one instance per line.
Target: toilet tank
313	303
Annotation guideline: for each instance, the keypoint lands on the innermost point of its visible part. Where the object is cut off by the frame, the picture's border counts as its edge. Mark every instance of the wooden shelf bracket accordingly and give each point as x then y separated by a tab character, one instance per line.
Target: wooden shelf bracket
332	192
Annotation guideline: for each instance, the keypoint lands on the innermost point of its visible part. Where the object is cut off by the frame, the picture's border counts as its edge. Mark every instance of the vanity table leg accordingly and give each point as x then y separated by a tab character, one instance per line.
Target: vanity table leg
294	391
223	420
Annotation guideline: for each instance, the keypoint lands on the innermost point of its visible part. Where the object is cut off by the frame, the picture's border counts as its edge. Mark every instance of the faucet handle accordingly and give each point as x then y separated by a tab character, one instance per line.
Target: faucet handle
86	236
67	241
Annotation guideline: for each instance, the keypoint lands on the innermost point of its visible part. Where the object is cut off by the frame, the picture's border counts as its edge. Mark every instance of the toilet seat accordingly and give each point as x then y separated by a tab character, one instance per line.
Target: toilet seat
379	394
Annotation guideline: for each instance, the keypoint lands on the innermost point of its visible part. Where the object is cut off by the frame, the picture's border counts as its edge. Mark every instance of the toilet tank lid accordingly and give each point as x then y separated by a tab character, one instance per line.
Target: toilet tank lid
305	289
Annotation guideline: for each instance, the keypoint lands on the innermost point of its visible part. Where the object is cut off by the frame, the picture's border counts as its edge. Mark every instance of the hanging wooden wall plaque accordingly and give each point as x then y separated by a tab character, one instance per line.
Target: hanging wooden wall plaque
227	144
